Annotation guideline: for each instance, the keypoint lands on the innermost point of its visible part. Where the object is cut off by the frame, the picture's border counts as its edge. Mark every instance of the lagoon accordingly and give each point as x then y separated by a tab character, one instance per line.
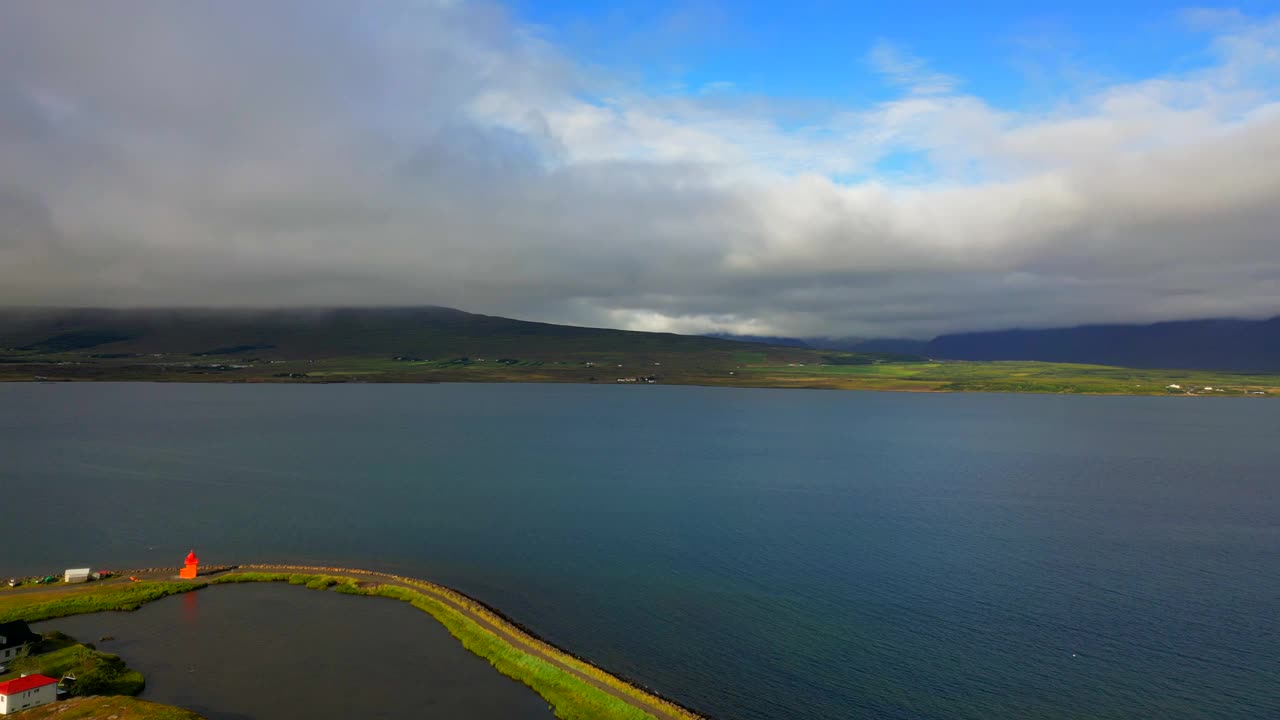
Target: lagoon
232	652
756	554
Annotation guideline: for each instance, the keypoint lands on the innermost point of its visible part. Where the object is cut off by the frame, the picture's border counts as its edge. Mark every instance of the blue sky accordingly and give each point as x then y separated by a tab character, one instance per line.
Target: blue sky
1011	53
808	59
802	168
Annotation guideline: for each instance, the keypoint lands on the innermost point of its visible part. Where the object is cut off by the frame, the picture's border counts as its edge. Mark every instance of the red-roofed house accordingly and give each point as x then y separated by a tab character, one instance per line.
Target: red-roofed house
27	692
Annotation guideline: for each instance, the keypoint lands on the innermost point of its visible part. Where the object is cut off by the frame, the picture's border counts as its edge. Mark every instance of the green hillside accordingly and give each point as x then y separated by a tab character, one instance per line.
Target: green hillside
433	344
428	331
388	344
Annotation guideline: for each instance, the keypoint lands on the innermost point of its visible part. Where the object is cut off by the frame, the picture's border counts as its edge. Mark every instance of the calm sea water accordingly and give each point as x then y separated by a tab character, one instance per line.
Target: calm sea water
753	553
274	651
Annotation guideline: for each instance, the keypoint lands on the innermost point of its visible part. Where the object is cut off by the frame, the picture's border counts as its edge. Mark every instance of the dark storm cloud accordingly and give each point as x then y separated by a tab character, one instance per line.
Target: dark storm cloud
235	153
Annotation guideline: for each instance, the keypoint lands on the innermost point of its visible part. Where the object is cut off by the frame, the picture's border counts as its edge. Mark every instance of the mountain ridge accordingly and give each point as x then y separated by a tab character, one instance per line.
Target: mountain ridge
1225	344
1216	344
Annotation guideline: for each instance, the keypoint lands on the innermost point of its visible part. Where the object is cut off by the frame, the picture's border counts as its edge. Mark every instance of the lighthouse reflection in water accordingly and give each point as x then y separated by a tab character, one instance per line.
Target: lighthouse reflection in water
190	608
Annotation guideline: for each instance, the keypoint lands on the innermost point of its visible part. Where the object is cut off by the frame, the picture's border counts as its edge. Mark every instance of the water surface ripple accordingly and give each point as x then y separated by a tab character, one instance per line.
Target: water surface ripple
758	554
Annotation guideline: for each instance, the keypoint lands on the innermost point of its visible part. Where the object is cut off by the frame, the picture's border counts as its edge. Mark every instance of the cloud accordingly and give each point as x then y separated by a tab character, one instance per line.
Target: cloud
1213	19
900	67
235	153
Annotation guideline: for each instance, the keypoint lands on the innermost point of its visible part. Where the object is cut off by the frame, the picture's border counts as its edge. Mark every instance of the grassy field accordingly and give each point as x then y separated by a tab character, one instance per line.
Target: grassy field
60	601
1014	376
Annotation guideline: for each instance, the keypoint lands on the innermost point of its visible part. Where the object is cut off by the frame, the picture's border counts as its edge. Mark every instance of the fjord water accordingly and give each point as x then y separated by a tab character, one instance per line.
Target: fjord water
753	553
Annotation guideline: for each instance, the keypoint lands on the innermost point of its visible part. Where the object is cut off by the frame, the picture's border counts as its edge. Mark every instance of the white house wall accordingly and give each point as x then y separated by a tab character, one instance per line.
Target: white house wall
28	699
10	653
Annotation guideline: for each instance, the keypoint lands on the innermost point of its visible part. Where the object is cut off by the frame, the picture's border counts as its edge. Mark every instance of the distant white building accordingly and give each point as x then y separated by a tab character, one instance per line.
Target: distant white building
1174	386
27	692
76	575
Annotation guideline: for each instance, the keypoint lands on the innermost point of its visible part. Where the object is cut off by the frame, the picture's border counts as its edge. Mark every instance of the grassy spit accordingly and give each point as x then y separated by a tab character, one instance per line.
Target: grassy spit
570	696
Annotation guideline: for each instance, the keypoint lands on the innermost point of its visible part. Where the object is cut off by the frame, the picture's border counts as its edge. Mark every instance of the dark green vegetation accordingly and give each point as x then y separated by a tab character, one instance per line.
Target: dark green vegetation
431	333
444	345
75	341
233	350
96	673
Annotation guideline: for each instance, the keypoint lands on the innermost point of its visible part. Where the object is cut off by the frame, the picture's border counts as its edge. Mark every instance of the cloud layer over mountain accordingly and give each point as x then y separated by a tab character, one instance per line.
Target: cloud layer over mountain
334	153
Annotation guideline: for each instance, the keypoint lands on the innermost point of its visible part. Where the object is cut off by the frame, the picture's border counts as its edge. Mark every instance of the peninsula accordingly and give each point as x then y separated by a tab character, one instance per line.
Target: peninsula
572	686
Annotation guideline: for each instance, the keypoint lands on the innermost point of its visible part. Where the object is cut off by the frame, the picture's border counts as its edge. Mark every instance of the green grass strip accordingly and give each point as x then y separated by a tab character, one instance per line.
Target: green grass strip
34	607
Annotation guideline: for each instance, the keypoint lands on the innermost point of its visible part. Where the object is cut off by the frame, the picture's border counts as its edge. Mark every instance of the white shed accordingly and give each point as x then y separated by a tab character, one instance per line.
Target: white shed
76	575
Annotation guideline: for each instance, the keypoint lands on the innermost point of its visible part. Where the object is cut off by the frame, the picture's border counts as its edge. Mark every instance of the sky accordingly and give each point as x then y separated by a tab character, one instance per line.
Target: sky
823	168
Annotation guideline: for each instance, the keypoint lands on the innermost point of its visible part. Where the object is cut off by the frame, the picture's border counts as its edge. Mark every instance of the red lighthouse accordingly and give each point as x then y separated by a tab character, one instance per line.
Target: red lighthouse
192	567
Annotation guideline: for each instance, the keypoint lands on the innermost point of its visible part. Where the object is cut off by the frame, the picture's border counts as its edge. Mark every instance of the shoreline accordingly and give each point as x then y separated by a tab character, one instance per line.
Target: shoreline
496	613
568	682
727	386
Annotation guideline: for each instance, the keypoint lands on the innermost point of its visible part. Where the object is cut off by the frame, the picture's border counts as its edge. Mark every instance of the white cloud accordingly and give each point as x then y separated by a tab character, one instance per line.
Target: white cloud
900	67
1214	19
441	153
